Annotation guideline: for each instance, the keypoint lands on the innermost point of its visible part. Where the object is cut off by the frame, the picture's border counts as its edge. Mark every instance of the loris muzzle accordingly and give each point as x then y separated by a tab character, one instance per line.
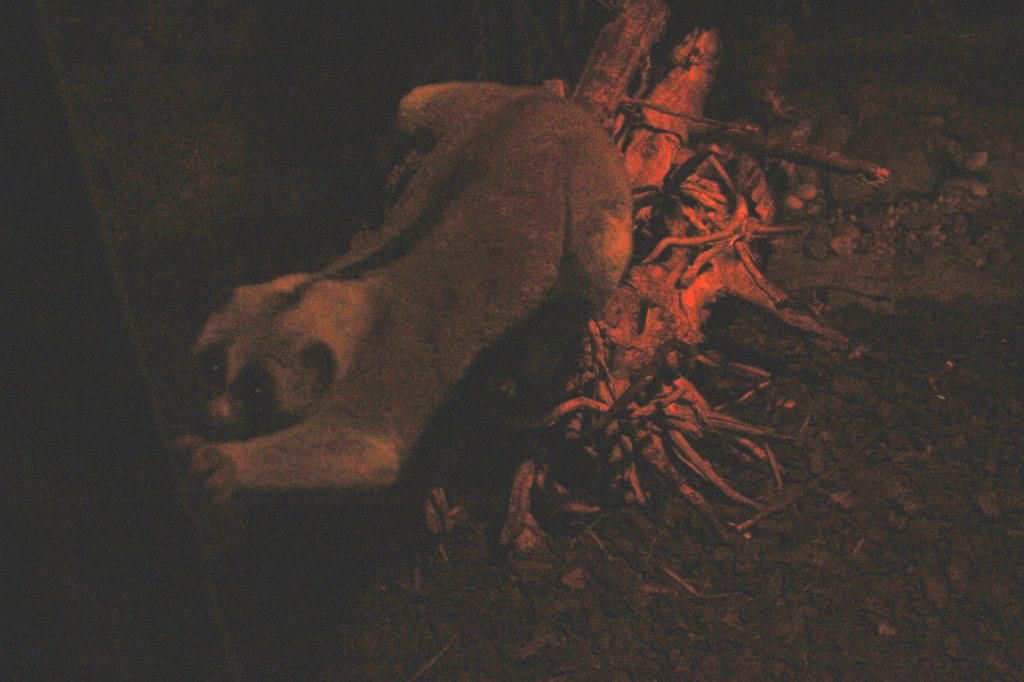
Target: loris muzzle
326	381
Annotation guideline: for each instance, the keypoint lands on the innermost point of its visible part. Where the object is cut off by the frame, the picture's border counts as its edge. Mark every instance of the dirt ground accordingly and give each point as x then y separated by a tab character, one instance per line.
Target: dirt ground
901	562
901	554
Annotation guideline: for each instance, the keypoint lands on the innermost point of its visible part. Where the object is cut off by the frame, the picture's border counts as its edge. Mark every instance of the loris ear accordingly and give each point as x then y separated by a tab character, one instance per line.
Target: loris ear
396	146
318	360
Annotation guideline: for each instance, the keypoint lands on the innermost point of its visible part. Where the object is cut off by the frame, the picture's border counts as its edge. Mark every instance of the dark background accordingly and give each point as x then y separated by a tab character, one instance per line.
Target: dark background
106	579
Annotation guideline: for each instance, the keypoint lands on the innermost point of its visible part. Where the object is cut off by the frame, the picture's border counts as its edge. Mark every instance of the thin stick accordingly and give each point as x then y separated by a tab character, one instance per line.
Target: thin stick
775	508
581	403
702	122
751	137
432	662
809	155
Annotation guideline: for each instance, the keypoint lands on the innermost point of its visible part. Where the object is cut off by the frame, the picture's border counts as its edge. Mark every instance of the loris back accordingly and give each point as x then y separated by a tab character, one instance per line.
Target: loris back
327	380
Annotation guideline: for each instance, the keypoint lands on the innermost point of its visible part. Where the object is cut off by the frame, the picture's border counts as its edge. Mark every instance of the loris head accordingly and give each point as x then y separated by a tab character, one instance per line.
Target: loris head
271	354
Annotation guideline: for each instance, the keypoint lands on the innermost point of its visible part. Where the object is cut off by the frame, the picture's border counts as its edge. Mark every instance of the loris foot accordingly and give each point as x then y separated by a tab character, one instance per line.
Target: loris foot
211	476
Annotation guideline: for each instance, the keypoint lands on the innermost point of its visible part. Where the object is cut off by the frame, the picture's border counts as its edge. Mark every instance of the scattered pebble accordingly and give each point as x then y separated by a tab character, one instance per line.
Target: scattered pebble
975	162
886	630
845	244
988	502
806	191
843	498
576	579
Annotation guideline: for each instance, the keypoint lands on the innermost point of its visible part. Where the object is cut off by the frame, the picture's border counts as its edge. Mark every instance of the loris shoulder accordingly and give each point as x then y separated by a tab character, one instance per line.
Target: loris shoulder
327	380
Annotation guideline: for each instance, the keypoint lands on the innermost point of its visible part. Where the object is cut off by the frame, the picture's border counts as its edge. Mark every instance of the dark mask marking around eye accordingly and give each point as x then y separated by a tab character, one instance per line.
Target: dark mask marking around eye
318	360
213	368
253	389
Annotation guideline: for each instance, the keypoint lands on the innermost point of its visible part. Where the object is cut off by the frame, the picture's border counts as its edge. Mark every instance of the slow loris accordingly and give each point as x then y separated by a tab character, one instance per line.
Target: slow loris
326	381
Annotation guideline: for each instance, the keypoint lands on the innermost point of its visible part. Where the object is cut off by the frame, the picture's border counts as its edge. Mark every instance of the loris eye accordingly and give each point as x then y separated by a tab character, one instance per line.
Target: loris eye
254	391
214	368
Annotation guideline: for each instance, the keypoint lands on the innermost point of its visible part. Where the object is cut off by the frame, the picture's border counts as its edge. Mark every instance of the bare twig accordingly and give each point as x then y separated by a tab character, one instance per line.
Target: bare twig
431	662
698	123
808	155
775	508
573	404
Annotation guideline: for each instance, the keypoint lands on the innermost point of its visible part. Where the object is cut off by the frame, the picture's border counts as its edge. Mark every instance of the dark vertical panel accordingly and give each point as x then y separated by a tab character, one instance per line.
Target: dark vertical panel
102	576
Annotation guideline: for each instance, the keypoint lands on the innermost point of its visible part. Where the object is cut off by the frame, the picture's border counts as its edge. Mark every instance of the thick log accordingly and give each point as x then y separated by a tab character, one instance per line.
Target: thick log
617	53
684	90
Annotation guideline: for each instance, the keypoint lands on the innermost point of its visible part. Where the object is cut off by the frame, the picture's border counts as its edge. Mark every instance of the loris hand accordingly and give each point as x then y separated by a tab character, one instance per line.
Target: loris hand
211	476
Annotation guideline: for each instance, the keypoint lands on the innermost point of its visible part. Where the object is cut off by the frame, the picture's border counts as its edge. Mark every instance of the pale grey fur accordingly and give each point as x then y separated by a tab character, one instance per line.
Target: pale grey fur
521	199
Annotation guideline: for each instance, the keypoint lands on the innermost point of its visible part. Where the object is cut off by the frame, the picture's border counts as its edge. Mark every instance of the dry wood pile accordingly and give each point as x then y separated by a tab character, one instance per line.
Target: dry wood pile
701	203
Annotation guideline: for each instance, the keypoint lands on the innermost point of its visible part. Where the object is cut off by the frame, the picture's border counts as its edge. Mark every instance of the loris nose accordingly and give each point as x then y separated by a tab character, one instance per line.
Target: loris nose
222	419
220	411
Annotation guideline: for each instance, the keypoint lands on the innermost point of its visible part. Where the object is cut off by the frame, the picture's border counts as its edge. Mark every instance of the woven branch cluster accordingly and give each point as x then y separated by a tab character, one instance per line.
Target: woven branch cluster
702	203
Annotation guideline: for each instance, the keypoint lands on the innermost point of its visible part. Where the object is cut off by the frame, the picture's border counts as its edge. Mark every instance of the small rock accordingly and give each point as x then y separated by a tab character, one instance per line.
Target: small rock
978	190
806	191
576	579
843	498
843	244
793	203
886	630
988	502
975	162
